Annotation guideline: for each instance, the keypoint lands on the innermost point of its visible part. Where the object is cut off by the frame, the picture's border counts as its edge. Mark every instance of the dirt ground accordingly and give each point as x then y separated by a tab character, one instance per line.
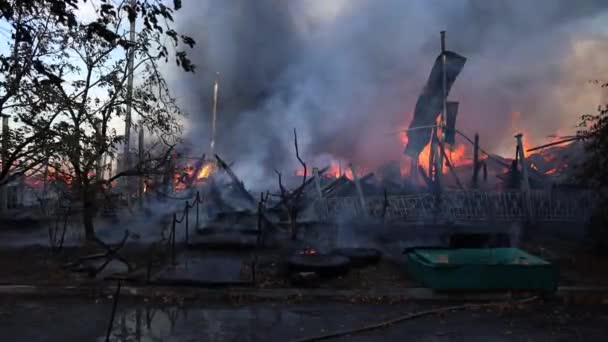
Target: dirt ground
38	265
31	262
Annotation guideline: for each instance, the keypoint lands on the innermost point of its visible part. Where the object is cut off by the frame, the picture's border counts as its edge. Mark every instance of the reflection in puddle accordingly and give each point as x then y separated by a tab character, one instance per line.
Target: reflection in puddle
210	324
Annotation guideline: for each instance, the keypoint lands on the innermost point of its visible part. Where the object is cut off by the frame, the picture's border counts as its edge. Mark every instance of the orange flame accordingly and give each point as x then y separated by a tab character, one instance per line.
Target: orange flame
458	156
333	171
207	170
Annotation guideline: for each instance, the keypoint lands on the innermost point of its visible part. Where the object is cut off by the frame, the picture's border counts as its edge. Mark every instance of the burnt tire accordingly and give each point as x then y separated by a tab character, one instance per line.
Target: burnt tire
319	263
359	257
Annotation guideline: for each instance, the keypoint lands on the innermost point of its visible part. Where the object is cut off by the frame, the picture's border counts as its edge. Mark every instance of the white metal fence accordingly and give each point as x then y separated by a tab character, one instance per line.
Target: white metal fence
538	205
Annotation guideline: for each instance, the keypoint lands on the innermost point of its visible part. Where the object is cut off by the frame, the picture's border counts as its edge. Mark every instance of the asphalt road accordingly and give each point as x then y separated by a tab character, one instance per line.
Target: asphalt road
87	320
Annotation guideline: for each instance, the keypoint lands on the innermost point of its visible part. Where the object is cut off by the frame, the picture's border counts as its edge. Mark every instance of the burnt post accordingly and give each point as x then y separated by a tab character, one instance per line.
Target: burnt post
432	155
525	183
359	190
476	161
414	170
198	202
315	172
169	172
186	214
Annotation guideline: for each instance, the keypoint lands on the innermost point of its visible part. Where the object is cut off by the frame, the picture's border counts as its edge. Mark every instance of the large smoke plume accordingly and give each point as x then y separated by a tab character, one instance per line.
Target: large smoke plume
346	72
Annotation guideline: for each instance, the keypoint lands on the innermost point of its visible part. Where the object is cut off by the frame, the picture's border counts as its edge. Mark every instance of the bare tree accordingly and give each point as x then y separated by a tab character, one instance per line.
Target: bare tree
291	200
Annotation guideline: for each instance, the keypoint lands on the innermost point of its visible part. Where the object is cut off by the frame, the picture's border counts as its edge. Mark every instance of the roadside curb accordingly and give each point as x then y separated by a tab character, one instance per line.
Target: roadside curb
571	295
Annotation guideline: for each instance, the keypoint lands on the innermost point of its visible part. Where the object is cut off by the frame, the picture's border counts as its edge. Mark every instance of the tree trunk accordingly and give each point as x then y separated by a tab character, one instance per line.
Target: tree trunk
293	223
88	215
89	229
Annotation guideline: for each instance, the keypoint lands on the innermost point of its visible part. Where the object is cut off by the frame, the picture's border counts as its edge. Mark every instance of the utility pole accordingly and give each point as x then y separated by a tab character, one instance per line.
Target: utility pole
140	187
5	143
131	56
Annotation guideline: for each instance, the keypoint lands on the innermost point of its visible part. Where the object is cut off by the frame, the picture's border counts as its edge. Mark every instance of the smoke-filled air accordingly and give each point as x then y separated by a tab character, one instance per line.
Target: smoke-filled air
346	74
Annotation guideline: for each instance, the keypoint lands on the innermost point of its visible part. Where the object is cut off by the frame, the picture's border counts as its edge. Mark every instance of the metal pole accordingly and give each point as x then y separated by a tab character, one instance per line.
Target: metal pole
140	188
214	113
131	55
441	136
114	305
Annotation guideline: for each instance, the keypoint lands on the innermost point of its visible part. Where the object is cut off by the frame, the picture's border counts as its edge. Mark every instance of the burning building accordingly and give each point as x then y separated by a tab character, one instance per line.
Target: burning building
347	78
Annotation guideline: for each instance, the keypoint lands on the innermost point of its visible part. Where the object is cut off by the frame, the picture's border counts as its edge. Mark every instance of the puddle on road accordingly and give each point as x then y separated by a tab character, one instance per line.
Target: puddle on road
183	324
247	323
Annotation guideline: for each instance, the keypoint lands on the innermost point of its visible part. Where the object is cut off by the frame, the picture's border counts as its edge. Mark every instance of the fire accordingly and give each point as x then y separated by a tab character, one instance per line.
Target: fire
552	171
193	175
308	251
458	156
517	127
335	170
207	170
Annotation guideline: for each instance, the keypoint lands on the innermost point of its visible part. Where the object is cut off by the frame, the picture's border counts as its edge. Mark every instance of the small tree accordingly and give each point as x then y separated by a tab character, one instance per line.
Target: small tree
594	132
92	93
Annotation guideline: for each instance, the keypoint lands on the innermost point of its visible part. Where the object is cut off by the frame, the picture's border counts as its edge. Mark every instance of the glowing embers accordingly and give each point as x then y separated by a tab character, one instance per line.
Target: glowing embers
192	175
308	251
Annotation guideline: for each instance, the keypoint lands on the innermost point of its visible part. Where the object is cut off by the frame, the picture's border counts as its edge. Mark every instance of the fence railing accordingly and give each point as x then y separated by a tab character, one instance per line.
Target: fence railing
537	205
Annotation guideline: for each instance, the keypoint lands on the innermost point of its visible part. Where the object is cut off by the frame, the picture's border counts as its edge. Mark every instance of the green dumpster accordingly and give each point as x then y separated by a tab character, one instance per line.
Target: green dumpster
481	269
